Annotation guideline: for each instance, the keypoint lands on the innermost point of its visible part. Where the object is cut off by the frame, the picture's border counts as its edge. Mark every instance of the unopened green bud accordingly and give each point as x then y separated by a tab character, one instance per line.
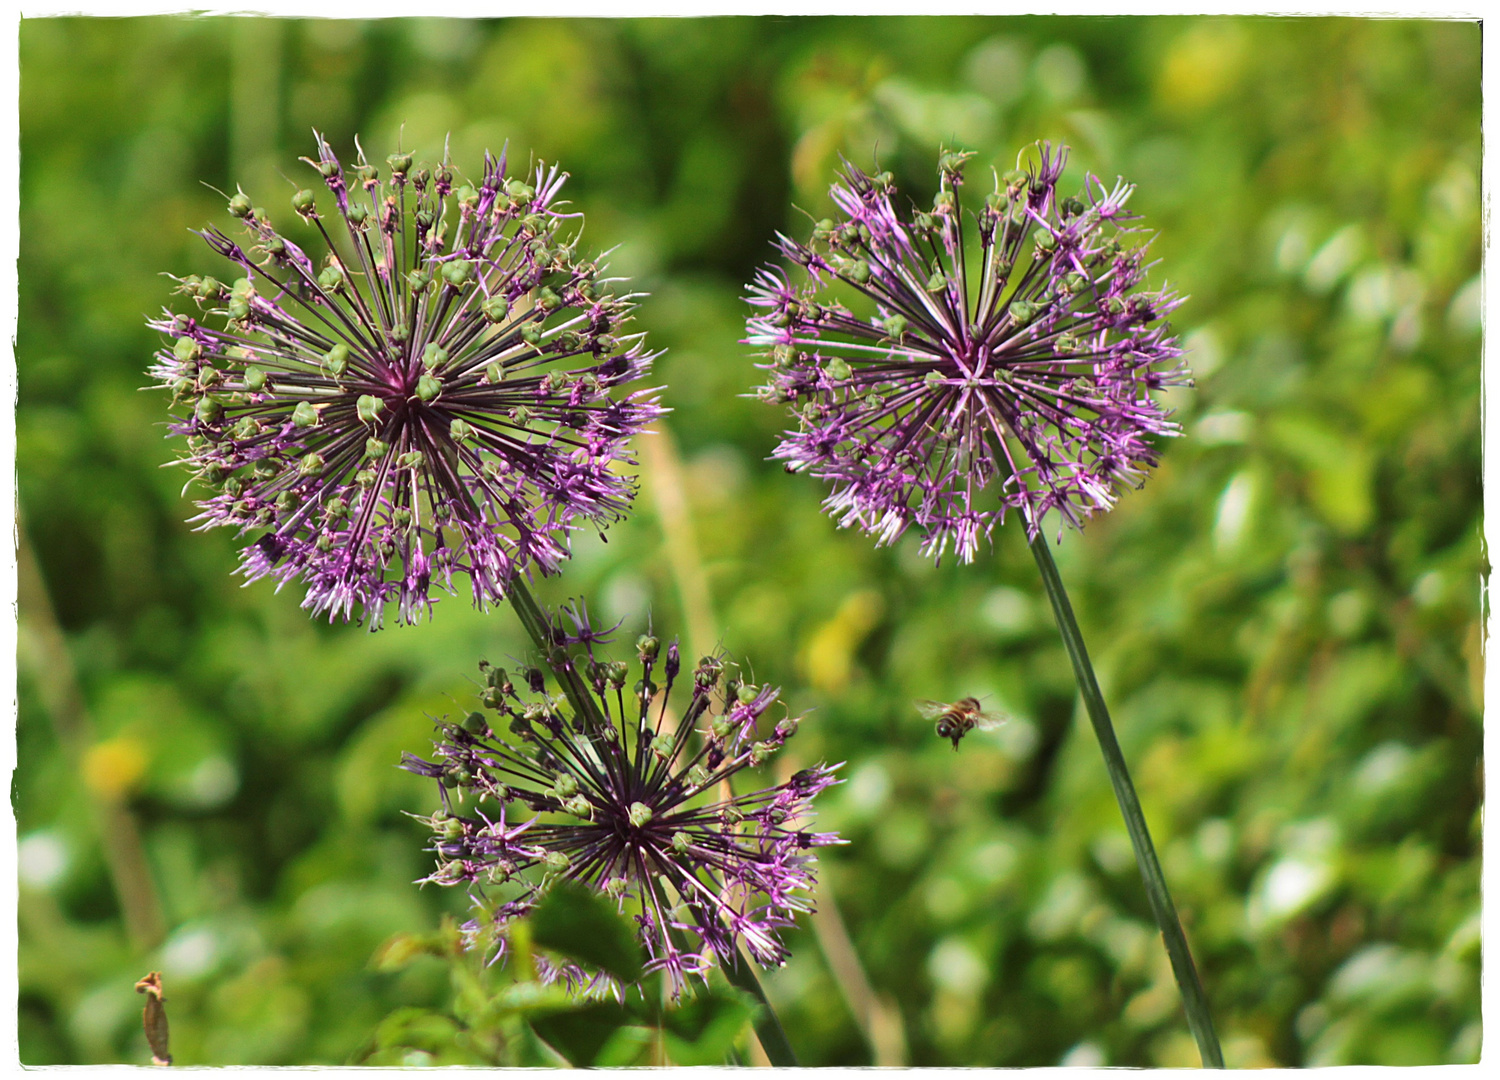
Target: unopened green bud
747	693
369	408
336	360
247	428
451	828
937	282
1045	241
532	335
859	272
458	272
208	289
366	478
1115	305
520	193
467	197
759	752
1023	311
697	776
255	379
336	509
661	746
639	814
565	785
304	415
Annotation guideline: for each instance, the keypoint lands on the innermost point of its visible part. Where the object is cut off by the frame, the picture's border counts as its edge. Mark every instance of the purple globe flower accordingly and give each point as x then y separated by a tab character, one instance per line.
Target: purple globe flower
438	394
1002	345
633	802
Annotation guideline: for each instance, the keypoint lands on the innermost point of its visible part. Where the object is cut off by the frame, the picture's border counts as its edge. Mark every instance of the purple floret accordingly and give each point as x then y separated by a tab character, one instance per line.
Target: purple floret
444	392
1023	368
635	802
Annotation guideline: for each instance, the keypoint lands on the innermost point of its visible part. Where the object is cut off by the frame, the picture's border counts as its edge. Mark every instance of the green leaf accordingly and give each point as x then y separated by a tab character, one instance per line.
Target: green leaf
579	1033
582	925
701	1031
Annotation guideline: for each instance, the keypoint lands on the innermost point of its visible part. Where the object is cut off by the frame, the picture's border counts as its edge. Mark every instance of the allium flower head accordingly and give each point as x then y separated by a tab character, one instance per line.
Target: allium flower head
436	394
1004	344
628	800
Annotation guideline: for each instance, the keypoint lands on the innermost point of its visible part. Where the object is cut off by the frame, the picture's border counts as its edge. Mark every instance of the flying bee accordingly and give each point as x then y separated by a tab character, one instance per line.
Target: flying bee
958	719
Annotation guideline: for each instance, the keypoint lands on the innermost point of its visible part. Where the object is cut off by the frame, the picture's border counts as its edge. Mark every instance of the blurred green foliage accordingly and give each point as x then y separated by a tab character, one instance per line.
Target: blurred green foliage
1286	618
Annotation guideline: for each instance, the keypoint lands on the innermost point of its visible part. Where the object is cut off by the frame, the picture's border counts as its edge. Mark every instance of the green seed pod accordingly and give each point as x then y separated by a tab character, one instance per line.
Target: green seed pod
837	370
937	282
369	408
942	202
697	776
286	500
208	289
240	205
732	815
187	349
336	510
429	386
325	542
1045	241
1115	305
1023	311
661	746
376	448
895	327
532	335
859	272
336	360
311	464
247	428
759	752
680	843
305	203
746	693
556	860
647	647
547	300
400	164
208	410
722	728
304	415
520	193
358	213
458	272
412	459
328	169
331	278
615	886
451	829
495	308
366	478
460	430
237	309
475	723
434	355
467	197
419	280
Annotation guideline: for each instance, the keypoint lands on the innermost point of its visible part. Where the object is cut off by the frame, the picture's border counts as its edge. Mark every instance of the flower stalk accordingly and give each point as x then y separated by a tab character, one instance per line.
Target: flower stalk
1194	1000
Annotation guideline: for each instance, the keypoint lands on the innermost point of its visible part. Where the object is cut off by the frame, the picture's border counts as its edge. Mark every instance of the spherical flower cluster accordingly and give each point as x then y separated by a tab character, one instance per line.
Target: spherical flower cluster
439	393
1002	344
631	797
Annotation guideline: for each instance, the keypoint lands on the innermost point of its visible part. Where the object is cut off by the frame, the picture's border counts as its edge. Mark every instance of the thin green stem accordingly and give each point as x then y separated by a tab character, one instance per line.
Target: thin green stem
768	1028
1194	1001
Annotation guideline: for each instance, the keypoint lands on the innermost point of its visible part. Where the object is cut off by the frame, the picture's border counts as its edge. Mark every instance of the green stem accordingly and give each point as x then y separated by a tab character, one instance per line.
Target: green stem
1194	1001
767	1027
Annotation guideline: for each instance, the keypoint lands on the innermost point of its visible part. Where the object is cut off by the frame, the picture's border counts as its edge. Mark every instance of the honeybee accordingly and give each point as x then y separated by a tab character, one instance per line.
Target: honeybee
958	719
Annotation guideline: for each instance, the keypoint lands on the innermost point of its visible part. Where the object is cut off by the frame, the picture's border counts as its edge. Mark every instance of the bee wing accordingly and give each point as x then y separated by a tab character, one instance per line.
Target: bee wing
989	720
932	710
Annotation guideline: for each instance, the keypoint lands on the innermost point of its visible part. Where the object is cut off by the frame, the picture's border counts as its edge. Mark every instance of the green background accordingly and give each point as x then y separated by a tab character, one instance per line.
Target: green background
1286	618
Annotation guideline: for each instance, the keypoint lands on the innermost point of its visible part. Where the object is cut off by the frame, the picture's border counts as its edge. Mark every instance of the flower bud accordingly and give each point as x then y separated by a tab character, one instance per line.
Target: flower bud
579	806
458	272
680	843
547	300
369	407
336	360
